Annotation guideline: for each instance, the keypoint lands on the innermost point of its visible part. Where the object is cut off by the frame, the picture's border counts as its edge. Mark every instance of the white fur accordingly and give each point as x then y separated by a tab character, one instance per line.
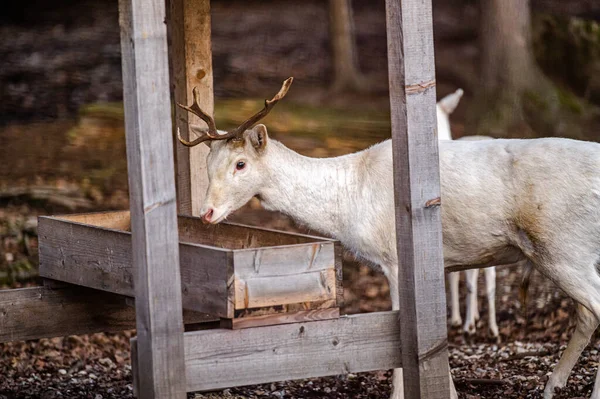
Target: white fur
444	108
503	201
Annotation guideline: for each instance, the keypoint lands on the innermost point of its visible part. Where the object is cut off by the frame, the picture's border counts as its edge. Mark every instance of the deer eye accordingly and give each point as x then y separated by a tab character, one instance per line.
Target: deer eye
240	165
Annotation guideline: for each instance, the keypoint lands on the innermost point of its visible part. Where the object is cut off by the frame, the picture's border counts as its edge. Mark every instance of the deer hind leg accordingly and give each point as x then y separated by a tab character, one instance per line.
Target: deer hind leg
455	318
472	313
586	325
581	282
490	291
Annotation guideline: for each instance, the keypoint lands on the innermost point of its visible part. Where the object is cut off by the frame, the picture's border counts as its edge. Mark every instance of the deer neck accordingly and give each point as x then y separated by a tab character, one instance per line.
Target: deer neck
315	192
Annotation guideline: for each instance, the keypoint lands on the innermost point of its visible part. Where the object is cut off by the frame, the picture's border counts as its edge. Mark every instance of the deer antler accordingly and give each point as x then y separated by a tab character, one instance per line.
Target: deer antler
212	133
269	104
195	109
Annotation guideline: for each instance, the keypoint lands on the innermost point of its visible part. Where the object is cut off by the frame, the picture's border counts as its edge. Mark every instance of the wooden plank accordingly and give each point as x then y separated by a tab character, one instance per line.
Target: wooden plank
45	312
217	359
190	56
417	197
280	318
100	258
118	220
281	290
91	257
238	236
284	260
42	312
161	368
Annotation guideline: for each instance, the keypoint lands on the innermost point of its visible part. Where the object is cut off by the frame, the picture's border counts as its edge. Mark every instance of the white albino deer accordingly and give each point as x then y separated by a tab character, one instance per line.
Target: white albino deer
503	201
444	108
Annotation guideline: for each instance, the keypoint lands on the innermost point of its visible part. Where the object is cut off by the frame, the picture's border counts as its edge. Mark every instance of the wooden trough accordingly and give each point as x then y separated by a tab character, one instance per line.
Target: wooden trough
246	275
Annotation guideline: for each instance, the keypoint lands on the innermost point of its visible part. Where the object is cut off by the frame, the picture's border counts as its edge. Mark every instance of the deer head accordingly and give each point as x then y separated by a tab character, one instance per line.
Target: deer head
235	161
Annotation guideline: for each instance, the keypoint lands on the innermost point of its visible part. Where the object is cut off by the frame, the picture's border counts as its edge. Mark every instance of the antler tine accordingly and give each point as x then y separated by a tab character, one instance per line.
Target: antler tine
195	109
269	104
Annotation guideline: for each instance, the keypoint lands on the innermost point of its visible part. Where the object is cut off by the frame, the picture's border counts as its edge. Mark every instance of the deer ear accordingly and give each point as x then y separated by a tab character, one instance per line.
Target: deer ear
258	137
450	102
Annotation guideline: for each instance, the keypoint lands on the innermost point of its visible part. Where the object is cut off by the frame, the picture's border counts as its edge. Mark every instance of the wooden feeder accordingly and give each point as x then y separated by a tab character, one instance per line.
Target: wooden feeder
245	275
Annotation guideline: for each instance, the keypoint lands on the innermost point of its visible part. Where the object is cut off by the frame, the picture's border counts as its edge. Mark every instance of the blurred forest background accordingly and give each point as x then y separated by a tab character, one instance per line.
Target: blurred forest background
529	68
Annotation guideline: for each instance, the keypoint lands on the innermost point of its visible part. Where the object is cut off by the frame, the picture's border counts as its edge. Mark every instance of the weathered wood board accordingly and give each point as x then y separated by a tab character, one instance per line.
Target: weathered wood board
224	268
152	199
417	199
280	318
42	312
217	359
190	58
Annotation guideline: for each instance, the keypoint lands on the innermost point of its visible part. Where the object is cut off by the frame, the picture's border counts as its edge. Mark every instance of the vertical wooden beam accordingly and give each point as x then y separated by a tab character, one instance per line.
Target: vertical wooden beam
417	194
161	370
191	65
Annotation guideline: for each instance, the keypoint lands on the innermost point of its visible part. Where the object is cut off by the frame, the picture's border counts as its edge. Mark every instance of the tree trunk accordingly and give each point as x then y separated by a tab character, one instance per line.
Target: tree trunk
514	97
346	75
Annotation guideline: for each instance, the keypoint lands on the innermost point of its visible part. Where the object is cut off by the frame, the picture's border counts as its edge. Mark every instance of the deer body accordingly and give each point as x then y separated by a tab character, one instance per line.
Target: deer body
503	201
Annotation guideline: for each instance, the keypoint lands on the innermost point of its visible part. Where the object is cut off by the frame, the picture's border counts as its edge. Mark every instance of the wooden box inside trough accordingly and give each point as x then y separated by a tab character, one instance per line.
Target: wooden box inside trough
249	275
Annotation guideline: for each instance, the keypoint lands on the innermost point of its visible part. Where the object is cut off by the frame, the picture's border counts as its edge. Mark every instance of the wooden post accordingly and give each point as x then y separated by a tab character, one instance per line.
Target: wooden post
191	65
417	194
161	370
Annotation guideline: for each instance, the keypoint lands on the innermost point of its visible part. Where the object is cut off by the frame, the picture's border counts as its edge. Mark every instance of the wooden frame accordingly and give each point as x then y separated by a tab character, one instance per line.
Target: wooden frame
75	310
166	362
411	71
251	268
152	199
217	359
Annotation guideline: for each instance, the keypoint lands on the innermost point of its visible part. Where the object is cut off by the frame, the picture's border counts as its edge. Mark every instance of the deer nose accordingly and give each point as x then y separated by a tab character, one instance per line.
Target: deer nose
208	216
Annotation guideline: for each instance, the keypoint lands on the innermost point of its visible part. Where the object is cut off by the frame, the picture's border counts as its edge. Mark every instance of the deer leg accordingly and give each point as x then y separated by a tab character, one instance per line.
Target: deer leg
490	291
579	279
472	313
586	325
455	318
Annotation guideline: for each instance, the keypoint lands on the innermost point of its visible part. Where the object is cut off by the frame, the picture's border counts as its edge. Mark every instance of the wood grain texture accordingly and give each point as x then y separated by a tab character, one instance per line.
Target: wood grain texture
214	281
238	236
217	359
41	312
91	257
101	258
416	181
150	163
46	312
281	318
284	260
116	220
288	289
189	27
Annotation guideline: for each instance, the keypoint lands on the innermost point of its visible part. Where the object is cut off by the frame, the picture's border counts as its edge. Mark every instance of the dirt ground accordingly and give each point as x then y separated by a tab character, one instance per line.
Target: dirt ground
61	154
